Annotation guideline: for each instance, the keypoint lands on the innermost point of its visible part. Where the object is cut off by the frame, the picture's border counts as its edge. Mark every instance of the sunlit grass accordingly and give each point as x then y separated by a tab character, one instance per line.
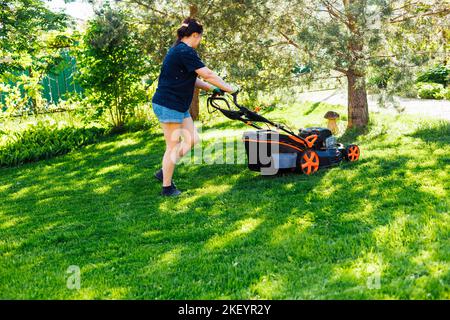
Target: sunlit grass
233	234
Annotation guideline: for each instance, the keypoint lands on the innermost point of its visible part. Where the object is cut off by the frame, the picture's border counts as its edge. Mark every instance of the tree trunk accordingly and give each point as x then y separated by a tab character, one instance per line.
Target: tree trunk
193	10
358	113
194	109
358	110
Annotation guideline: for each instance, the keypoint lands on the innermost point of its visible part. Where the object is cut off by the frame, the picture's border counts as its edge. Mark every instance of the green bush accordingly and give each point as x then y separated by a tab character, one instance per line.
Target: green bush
112	63
430	90
43	141
438	74
447	94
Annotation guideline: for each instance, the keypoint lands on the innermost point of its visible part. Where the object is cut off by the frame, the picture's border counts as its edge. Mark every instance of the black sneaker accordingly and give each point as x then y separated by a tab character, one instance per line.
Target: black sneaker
171	191
159	176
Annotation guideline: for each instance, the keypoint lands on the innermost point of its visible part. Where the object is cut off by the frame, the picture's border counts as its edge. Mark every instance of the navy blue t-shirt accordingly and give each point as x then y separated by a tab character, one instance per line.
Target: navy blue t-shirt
177	79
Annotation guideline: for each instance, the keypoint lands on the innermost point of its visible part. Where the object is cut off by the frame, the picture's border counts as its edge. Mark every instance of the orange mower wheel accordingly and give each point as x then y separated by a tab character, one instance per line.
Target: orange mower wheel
309	162
352	153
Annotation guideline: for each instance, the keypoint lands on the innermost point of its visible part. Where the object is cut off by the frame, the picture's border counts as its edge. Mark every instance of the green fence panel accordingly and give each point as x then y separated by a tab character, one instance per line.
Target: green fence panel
55	86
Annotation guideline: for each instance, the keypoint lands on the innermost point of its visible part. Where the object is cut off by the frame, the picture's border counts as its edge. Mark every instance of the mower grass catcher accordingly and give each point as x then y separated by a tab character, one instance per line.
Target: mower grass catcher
270	150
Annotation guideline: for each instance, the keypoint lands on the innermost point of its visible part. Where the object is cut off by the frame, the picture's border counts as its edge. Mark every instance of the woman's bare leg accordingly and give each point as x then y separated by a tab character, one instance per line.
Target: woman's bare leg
176	149
172	134
190	136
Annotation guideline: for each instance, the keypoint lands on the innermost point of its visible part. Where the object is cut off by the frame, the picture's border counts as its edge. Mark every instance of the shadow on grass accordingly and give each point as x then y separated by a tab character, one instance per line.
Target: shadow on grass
327	229
436	132
234	234
351	135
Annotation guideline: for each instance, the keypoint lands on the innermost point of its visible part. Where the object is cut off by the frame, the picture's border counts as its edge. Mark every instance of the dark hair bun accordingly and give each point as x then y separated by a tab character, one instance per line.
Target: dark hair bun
188	27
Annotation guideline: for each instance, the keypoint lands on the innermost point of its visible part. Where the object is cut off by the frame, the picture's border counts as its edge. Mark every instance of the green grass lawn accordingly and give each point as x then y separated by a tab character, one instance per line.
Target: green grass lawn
233	234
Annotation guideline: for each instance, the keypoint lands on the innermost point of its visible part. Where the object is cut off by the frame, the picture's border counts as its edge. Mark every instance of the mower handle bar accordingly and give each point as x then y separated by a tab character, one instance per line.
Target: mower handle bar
251	116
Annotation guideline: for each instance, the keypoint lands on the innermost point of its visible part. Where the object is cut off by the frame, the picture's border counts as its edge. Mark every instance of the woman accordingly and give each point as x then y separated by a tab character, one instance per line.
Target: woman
177	81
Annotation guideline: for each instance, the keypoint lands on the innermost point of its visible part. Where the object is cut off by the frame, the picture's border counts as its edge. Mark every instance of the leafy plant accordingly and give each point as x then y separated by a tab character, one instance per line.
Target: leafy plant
437	74
44	140
14	102
112	64
430	90
446	94
31	42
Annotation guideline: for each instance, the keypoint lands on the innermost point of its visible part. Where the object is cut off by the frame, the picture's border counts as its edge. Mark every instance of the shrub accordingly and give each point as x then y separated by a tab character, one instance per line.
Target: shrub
111	66
430	90
14	102
44	140
438	74
447	94
138	124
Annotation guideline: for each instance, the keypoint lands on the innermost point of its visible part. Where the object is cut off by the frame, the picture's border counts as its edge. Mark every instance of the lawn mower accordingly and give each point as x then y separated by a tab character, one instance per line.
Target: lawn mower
278	147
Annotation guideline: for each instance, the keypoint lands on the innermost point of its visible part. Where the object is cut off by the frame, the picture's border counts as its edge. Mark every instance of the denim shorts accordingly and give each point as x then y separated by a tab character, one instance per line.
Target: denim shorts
165	114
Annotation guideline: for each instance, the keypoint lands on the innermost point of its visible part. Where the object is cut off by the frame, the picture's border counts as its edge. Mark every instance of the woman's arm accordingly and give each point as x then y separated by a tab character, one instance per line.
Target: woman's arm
203	85
212	78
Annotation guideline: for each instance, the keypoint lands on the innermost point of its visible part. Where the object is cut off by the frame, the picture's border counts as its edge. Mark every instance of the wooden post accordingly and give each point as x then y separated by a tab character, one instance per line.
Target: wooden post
194	109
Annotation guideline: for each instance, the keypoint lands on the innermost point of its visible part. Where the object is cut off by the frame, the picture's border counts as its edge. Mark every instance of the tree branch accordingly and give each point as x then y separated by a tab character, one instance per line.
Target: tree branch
345	72
405	17
151	8
334	12
288	39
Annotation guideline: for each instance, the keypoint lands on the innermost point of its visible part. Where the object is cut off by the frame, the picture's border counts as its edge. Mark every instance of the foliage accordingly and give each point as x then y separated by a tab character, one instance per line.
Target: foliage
44	140
447	93
15	103
143	119
437	74
415	37
260	43
24	22
31	39
233	44
430	90
112	65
